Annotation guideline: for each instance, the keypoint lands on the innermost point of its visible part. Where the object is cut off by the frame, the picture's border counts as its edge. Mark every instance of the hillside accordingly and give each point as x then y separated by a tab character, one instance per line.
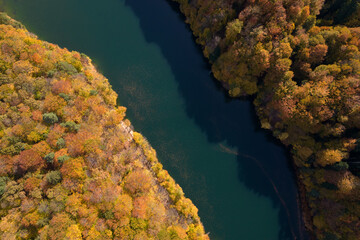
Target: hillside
71	166
303	73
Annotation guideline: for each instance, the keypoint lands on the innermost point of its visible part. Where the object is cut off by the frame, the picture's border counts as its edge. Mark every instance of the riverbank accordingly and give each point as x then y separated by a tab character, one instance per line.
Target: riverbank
72	167
306	227
296	72
305	209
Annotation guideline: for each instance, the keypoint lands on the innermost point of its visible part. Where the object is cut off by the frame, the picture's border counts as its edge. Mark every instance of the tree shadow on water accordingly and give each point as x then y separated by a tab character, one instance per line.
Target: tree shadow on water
263	164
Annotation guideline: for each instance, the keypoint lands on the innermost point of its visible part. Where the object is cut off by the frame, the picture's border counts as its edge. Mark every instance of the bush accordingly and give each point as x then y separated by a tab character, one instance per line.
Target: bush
67	67
11	150
60	143
64	96
49	158
340	166
3	67
93	92
50	73
63	158
107	214
3	181
71	126
53	177
50	118
163	235
20	146
138	224
34	137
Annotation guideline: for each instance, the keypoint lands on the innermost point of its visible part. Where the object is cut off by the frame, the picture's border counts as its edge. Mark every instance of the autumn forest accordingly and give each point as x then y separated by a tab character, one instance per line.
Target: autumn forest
72	165
300	63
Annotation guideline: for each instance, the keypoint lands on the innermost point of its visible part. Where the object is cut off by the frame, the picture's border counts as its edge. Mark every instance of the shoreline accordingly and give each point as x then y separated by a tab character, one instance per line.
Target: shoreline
305	212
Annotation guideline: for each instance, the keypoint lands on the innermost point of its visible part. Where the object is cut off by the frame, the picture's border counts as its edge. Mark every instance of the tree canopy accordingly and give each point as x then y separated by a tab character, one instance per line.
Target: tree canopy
71	166
300	62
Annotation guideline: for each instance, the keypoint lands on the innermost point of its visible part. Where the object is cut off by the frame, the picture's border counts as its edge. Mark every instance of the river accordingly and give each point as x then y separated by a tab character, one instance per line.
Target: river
234	172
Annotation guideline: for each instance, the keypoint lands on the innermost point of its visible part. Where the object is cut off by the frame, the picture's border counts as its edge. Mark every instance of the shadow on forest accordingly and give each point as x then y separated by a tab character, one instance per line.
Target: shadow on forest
221	118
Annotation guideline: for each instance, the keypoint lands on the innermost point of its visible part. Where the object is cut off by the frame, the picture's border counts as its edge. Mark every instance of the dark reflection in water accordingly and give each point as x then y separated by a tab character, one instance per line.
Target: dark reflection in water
263	163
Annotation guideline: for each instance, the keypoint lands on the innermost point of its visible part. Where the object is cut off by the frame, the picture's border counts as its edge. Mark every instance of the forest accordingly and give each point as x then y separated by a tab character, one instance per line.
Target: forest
71	165
299	62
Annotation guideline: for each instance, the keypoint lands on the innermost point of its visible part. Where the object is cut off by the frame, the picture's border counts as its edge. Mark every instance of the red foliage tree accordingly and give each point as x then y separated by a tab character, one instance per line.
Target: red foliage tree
138	182
61	86
29	160
140	207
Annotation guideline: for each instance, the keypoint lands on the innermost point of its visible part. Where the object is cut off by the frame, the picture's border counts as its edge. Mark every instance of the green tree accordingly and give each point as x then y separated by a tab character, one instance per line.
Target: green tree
50	118
53	177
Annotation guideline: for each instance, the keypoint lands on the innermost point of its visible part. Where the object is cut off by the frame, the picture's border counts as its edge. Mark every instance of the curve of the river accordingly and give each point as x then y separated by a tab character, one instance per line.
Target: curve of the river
212	145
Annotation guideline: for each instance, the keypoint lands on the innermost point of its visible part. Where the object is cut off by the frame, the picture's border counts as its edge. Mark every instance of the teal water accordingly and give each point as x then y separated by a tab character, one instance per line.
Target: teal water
210	144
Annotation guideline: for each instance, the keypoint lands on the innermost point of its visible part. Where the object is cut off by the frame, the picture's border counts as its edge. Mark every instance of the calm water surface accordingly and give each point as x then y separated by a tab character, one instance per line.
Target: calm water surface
210	144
